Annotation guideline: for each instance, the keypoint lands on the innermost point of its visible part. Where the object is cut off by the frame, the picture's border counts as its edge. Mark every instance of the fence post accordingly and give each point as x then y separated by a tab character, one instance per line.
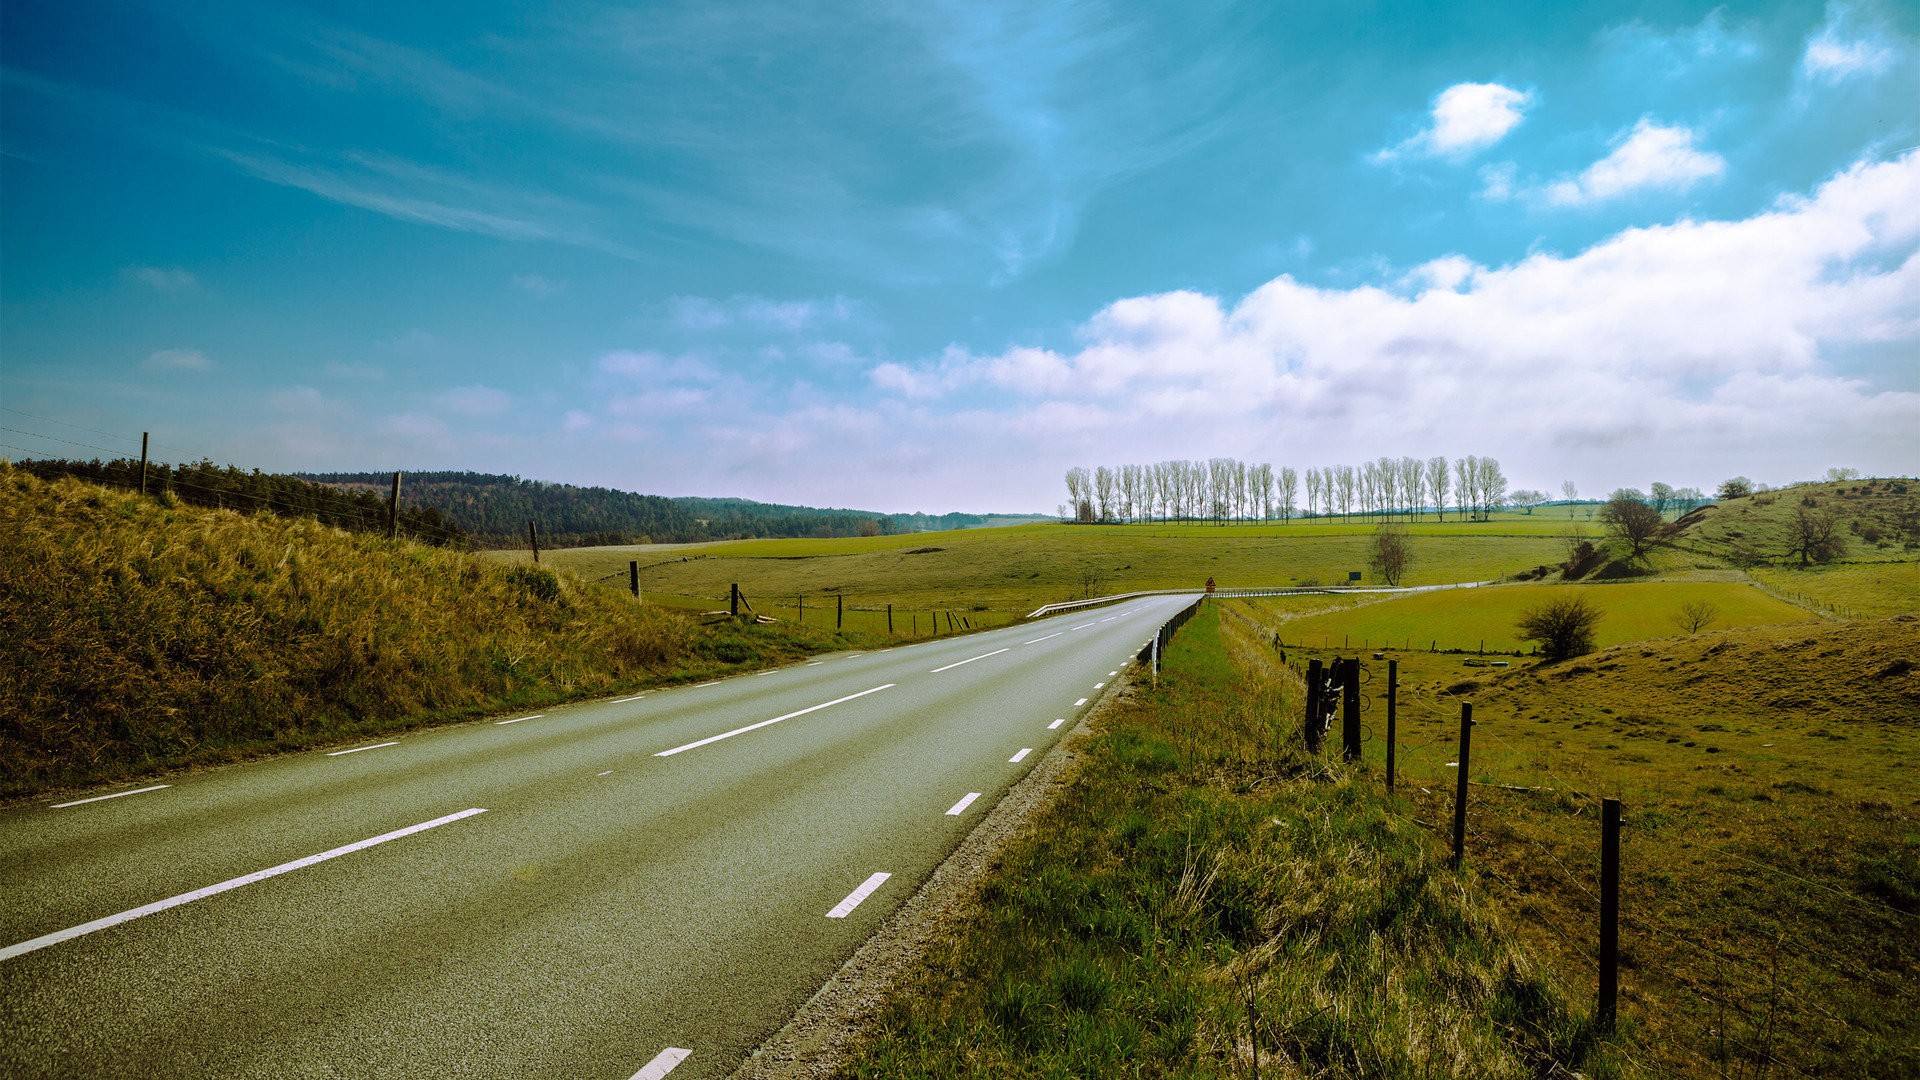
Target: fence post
839	609
1350	711
533	541
143	463
733	599
1460	788
801	600
889	620
1393	698
393	507
1312	727
1609	912
633	577
1156	658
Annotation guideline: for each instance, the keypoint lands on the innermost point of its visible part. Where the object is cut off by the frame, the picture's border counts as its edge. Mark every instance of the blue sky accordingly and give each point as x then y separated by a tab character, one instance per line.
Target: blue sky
928	256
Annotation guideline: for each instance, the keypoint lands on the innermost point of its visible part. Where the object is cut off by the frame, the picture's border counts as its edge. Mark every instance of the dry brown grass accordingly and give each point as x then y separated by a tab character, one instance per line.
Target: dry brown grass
142	635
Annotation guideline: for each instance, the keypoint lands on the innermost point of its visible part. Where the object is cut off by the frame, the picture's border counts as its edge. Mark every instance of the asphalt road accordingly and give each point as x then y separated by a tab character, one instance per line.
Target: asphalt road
609	889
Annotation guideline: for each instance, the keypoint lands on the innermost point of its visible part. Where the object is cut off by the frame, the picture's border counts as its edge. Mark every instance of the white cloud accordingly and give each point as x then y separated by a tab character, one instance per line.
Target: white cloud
1465	119
475	401
1843	48
178	360
699	313
1651	156
539	286
1708	346
576	421
163	279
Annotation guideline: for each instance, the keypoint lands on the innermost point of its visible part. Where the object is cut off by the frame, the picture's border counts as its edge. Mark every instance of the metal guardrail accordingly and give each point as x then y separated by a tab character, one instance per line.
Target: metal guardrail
1278	590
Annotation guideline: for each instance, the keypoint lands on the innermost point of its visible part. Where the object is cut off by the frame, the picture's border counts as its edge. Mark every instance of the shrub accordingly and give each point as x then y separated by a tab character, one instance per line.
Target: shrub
1563	627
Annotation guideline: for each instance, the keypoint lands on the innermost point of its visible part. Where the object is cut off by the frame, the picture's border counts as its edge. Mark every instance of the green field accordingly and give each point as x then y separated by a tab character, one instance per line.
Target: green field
1771	887
1014	570
1483	618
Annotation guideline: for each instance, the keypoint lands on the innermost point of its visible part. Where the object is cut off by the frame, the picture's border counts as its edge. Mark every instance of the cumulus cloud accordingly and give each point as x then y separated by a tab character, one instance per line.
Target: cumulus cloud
1651	156
163	279
178	360
1465	119
474	401
1717	339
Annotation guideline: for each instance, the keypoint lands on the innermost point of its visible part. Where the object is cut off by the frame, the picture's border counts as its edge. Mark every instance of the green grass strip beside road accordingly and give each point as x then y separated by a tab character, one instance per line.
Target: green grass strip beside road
1201	891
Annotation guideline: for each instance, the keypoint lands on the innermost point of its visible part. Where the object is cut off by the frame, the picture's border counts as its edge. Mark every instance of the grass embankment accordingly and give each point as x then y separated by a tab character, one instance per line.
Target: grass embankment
1473	619
1771	893
1202	893
1002	573
143	636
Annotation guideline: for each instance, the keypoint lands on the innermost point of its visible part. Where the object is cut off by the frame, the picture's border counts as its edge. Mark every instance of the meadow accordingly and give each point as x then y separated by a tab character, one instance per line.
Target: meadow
1771	894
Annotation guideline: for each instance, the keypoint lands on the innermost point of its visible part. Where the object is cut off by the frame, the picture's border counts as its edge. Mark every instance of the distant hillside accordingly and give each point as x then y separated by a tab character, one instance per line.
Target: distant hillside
223	487
1877	520
495	509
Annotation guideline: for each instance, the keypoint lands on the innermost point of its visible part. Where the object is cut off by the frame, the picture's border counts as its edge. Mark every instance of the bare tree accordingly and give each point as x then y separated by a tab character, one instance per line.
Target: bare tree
1491	485
1437	485
1410	485
1528	498
1631	521
1465	470
1080	493
1570	493
1103	491
1288	490
1389	553
1660	497
1814	534
1840	472
1695	616
1346	478
1563	627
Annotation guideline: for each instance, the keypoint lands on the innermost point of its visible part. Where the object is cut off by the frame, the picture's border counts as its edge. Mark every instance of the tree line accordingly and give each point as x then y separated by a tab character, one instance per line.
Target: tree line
1227	489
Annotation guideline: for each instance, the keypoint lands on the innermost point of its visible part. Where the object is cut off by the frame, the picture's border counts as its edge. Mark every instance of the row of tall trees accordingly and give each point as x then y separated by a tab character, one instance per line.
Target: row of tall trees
1227	489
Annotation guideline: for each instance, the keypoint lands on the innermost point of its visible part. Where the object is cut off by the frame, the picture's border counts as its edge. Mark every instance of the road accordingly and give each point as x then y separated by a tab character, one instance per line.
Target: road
614	889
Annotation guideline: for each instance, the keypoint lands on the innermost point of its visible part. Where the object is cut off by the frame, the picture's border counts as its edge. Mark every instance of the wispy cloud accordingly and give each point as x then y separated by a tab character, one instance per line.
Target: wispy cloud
472	401
164	279
1848	45
1465	119
699	313
178	360
1650	157
539	286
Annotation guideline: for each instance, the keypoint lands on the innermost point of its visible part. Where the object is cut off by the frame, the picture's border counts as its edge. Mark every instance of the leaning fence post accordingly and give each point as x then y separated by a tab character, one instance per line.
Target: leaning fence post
1460	788
1393	696
533	541
1312	728
143	463
393	508
1350	711
1609	911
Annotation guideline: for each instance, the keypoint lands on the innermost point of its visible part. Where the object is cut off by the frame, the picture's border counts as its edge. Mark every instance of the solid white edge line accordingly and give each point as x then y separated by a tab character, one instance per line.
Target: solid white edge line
1079	703
968	660
1056	723
754	727
517	719
1038	640
357	749
845	907
963	804
1023	753
131	914
101	798
662	1064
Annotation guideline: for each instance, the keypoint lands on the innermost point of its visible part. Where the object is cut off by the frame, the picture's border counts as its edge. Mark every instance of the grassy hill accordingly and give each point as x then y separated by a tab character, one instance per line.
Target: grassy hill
144	634
1772	874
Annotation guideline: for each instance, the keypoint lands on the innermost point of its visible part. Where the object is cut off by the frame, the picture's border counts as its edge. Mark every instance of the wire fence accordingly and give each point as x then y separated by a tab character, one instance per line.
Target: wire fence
1740	964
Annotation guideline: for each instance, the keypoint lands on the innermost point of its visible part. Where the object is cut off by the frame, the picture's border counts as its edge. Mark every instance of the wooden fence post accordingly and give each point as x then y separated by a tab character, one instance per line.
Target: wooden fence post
393	507
1312	727
839	610
1393	698
801	600
633	577
733	599
1350	711
533	541
1460	788
1609	912
889	620
143	463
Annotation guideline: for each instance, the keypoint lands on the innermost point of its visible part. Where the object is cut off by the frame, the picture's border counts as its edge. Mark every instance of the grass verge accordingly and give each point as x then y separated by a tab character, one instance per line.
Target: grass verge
1204	900
144	636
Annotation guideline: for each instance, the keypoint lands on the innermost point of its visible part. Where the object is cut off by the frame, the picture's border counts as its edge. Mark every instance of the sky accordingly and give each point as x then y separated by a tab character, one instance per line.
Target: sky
929	256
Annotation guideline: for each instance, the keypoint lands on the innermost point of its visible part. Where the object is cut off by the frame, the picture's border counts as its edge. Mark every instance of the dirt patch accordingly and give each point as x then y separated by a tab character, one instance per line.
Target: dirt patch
830	1026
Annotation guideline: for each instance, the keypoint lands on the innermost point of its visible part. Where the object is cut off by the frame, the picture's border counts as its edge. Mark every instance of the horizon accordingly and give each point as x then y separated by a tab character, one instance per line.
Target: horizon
939	258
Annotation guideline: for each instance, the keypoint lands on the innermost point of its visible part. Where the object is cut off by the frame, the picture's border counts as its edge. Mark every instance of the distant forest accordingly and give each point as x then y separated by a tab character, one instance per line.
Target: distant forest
222	486
495	510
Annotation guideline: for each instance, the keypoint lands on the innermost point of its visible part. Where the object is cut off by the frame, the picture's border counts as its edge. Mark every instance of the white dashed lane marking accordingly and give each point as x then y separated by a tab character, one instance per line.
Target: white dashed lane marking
845	907
1021	755
961	806
662	1064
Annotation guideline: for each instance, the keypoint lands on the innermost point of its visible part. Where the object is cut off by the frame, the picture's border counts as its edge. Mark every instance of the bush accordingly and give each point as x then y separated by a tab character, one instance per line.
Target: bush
1563	627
